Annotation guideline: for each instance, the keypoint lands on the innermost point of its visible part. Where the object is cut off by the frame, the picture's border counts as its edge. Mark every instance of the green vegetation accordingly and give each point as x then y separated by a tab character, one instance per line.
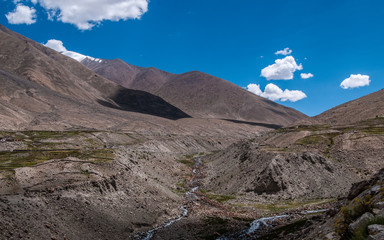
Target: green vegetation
290	228
39	146
362	233
369	126
326	138
220	198
352	211
181	186
29	158
187	162
292	204
312	128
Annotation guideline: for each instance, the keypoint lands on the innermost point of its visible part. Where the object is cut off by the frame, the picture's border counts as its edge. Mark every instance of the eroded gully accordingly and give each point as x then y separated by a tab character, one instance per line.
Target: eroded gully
190	196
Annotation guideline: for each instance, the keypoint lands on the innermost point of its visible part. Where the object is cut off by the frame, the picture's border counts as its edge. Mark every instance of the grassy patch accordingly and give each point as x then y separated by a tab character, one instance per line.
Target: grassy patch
315	139
181	186
41	146
289	205
374	130
29	158
220	198
311	128
187	162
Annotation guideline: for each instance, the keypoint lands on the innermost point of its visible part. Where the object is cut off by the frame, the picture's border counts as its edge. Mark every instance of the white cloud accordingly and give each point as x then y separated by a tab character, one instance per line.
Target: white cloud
282	69
274	93
255	89
285	52
306	75
59	47
22	15
355	81
85	14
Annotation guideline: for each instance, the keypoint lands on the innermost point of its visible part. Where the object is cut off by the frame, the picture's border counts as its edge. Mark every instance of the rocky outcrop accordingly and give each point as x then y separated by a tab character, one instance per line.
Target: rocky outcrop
248	168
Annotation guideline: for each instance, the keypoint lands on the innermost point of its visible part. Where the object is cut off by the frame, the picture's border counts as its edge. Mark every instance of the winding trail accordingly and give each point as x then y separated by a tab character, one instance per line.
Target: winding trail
190	196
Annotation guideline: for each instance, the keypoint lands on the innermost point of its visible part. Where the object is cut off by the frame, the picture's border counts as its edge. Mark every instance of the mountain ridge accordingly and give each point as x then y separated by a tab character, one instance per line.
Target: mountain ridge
197	93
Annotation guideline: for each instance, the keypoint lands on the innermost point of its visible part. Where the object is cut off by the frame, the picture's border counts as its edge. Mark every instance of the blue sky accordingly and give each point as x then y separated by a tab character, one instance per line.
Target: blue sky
233	40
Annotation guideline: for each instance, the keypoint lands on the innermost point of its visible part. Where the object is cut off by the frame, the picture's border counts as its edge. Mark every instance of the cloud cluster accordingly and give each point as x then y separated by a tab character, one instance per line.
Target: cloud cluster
59	47
85	14
285	52
355	81
306	75
22	15
282	69
275	93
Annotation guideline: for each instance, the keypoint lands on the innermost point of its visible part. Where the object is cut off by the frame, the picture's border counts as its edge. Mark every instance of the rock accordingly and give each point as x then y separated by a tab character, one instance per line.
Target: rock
364	219
379	236
357	188
376	211
375	229
331	236
379	205
380	213
375	189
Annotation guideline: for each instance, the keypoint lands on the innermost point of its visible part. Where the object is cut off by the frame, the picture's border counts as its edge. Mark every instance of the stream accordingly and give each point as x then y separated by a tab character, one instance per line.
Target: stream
261	224
190	195
255	227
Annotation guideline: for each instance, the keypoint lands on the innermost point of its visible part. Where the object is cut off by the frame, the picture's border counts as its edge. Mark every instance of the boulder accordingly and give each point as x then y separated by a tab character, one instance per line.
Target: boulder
360	222
375	229
379	236
380	213
332	236
379	205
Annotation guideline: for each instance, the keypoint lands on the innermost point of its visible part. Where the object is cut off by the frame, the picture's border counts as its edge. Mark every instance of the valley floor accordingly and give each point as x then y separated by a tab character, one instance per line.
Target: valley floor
119	185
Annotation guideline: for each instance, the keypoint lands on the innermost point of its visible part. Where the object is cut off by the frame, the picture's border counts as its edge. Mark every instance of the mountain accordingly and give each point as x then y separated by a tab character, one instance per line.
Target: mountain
366	107
198	94
41	87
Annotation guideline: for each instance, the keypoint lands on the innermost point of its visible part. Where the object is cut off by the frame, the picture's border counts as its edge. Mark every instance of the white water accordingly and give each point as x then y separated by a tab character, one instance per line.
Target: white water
151	232
255	225
267	222
190	196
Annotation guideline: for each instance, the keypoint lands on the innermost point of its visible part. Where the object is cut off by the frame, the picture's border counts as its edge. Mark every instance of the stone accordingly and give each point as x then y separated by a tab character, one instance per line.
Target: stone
331	236
357	188
375	229
379	236
379	205
375	189
380	213
364	219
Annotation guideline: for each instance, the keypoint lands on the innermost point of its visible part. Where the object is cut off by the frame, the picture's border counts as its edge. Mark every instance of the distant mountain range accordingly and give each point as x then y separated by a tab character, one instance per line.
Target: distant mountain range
41	87
195	93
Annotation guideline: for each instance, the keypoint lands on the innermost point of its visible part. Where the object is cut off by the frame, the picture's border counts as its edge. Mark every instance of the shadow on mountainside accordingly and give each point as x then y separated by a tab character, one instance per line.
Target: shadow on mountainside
143	102
272	126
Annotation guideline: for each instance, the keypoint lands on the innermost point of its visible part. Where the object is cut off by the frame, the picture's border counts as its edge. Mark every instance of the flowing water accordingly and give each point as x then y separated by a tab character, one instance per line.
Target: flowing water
190	196
255	227
261	224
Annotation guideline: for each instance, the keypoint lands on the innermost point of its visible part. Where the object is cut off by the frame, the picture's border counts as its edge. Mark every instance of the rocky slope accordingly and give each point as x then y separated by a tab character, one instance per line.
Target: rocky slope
299	162
360	216
198	94
369	106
